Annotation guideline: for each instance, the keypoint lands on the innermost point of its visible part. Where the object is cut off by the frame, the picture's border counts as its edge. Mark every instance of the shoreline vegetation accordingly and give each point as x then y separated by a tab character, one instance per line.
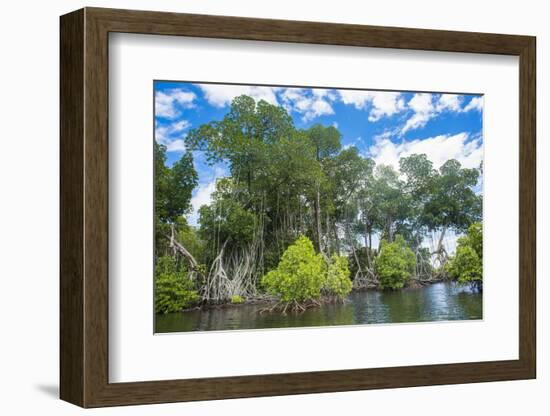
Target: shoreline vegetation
300	220
272	304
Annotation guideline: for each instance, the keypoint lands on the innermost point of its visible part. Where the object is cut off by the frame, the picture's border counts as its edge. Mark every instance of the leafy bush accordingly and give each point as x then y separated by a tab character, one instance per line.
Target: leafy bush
475	238
337	281
395	264
236	299
174	291
300	275
466	266
166	265
304	275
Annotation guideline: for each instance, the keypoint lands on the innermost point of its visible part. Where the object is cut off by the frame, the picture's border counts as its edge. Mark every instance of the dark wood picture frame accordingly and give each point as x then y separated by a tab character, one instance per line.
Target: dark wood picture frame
84	207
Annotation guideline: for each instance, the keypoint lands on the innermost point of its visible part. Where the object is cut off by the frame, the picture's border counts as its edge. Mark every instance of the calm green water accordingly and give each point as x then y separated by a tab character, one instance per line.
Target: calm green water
437	302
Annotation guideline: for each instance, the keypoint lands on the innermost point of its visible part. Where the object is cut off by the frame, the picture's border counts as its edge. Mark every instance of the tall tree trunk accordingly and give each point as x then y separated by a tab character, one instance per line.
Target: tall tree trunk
441	254
369	248
318	218
301	215
179	248
354	251
336	238
366	236
328	234
441	237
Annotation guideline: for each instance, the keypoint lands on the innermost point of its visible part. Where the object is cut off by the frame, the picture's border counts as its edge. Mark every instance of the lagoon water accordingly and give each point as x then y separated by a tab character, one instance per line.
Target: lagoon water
443	301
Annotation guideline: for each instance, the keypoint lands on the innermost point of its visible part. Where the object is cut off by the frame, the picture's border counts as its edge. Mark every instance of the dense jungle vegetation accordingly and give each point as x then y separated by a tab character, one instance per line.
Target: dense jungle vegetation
295	219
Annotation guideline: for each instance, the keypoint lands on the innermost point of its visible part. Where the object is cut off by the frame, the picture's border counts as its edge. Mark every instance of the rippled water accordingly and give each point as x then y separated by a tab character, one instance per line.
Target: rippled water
438	302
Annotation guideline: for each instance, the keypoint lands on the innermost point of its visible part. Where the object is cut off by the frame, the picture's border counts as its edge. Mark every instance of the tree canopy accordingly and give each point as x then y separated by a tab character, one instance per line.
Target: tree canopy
297	211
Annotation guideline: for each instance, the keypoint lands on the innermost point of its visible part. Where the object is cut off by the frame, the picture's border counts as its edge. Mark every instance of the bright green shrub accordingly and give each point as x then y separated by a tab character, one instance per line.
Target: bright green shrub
475	238
466	266
337	281
395	264
300	275
174	291
235	299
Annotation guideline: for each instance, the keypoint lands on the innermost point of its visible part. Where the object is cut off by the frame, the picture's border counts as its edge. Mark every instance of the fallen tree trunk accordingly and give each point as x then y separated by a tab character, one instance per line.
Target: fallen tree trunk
179	248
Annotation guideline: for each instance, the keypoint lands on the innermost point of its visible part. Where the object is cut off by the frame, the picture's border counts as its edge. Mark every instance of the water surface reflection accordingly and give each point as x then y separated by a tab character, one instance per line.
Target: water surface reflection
444	301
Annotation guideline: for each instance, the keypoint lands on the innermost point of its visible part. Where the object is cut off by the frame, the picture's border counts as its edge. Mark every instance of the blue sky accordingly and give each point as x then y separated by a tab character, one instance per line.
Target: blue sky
383	125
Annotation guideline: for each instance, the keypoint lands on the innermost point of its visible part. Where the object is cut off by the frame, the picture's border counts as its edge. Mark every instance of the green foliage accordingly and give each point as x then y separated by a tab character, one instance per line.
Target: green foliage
185	234
475	238
284	181
391	204
395	264
226	218
423	262
173	289
325	139
300	275
466	266
274	174
420	174
189	238
166	265
351	175
452	202
304	275
338	282
236	299
242	135
173	186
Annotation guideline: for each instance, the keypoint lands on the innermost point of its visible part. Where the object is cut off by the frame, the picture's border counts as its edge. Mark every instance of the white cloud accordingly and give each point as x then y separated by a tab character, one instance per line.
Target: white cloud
354	143
427	106
203	195
220	95
177	145
438	149
179	126
323	92
451	102
167	102
383	103
386	134
310	103
475	103
171	135
424	110
357	98
421	103
161	135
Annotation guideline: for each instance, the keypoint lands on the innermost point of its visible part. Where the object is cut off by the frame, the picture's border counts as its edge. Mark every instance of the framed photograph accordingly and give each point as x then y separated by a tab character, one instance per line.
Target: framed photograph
256	207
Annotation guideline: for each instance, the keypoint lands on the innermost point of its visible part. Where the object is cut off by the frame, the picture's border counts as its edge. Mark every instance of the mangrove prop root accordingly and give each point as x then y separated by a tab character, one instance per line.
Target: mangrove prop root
298	306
